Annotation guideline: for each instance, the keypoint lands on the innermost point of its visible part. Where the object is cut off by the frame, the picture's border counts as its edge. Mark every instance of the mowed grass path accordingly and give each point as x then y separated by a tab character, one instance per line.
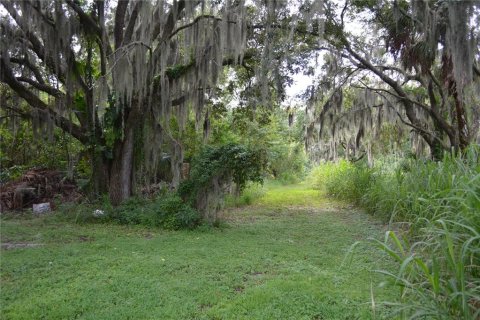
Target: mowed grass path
279	258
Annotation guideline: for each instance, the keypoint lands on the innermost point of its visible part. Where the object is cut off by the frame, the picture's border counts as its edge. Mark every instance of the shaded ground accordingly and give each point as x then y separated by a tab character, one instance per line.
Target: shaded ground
280	258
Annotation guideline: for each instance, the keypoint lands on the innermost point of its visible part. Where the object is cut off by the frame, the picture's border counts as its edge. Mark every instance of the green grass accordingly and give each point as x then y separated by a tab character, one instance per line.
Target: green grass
302	194
280	258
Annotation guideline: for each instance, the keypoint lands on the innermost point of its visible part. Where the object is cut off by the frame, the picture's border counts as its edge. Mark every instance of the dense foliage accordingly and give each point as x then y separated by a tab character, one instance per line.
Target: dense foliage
435	209
168	212
213	171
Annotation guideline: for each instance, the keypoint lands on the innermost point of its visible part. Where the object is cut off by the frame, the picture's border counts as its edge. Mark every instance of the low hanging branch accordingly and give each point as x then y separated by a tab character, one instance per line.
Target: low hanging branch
65	124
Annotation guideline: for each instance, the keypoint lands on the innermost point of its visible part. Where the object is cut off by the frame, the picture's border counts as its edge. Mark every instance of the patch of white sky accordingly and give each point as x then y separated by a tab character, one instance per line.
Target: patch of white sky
301	81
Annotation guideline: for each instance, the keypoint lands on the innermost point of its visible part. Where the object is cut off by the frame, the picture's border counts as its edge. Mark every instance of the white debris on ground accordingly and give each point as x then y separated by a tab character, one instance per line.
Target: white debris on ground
98	213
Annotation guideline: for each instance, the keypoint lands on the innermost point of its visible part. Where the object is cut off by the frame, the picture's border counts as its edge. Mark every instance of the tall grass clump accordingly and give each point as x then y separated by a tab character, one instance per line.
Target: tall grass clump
247	196
342	180
420	191
437	248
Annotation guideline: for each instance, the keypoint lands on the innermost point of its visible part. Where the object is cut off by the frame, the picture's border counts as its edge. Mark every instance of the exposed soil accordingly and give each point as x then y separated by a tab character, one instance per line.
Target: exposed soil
16	245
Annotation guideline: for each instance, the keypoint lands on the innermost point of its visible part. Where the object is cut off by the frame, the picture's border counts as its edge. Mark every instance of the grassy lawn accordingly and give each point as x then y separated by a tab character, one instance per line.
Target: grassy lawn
279	258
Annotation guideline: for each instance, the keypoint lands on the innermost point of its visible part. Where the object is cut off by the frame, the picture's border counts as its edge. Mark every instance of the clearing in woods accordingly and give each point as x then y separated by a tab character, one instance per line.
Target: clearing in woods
278	258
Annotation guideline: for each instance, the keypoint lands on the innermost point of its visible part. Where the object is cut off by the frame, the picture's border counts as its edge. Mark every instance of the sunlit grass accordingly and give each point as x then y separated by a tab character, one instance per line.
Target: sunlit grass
282	262
292	195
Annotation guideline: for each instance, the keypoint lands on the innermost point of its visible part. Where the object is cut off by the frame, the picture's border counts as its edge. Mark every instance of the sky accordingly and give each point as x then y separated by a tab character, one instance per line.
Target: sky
300	81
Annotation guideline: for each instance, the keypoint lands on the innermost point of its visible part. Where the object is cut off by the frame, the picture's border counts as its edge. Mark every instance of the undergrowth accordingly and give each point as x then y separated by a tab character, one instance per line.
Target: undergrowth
214	170
435	207
166	211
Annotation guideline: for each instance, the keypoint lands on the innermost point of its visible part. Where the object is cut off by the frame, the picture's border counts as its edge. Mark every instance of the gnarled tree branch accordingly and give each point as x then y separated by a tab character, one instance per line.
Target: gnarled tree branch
66	125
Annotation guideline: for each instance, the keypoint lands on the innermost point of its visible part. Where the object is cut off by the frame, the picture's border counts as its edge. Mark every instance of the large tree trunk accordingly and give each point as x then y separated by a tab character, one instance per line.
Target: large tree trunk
121	172
122	169
100	173
462	127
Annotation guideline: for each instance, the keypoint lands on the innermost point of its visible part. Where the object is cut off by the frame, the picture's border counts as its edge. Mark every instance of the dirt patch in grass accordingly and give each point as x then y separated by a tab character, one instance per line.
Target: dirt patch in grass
86	239
148	235
18	245
239	289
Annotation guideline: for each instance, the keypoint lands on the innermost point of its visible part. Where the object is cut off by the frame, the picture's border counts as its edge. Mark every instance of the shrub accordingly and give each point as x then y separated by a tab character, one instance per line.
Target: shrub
168	212
172	213
287	162
12	173
134	211
213	171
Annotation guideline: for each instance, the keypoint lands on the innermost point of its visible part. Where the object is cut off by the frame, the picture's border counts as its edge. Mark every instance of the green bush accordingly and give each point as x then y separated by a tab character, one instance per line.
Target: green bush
187	218
172	213
134	211
287	162
168	212
214	169
11	173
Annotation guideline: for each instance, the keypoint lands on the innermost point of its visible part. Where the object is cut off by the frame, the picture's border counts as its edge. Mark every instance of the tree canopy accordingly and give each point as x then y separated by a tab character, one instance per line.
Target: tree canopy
417	68
128	79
